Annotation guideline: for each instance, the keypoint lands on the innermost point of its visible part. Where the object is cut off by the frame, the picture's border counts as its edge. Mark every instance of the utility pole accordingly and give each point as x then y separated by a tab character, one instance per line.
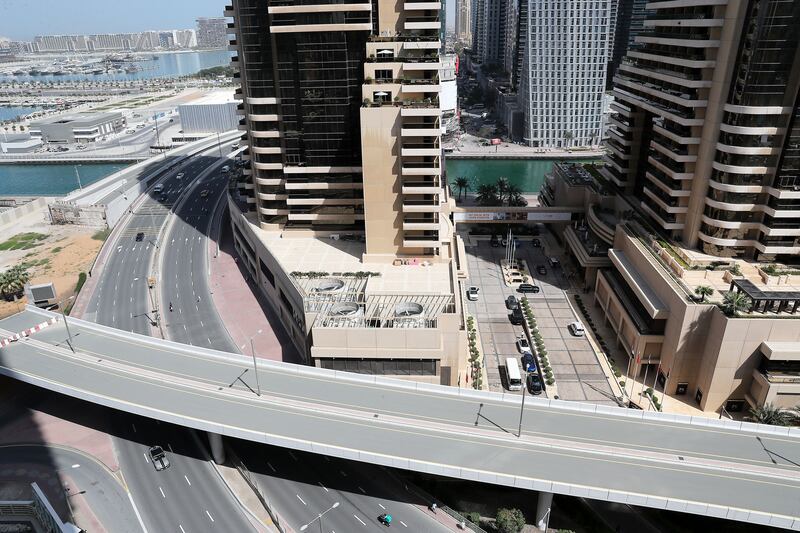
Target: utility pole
522	405
255	366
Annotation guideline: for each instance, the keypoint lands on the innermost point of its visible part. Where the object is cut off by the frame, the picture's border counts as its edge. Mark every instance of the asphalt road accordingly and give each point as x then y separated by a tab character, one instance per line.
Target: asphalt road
433	426
122	300
103	492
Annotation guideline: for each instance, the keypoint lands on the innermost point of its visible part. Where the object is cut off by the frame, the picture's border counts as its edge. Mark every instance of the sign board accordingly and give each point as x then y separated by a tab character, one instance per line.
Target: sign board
478	216
41	293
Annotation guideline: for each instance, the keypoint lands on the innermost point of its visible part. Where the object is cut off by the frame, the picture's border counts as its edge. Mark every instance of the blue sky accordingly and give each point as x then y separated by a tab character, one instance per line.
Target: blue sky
22	19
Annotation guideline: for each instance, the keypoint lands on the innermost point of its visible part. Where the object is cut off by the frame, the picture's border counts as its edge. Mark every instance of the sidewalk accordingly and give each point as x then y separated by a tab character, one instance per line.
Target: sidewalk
240	305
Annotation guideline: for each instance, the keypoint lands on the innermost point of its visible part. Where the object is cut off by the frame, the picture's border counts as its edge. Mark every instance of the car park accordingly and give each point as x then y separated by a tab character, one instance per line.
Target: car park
140	236
472	294
528	288
523	346
534	383
541	270
576	328
512	303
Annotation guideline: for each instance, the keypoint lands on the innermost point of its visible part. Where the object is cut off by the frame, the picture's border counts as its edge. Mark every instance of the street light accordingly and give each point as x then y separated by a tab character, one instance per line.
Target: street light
255	367
66	325
522	405
319	517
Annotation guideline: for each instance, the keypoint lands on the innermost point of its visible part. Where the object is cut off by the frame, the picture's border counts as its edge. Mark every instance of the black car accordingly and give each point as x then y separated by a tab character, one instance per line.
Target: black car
516	317
534	383
535	243
495	242
162	198
139	237
512	303
527	287
541	270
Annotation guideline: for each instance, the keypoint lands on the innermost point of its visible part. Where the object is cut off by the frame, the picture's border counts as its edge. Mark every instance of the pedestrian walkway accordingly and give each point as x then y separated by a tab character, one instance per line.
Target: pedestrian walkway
245	312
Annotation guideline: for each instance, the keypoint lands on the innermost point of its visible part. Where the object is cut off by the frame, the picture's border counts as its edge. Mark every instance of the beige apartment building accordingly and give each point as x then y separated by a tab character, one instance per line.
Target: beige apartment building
343	214
701	187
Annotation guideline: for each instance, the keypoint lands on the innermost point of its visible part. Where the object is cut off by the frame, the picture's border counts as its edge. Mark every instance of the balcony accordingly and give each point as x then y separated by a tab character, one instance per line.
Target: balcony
420	130
421	149
422	6
414	168
421	206
421	187
419	223
421	241
431	22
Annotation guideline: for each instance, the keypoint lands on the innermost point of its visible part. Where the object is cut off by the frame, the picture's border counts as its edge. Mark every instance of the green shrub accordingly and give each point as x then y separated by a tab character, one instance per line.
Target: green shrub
473	517
81	281
509	520
550	381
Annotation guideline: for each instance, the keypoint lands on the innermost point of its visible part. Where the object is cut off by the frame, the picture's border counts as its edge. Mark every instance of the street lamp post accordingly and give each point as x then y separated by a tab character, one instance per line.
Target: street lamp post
522	405
60	304
255	367
319	517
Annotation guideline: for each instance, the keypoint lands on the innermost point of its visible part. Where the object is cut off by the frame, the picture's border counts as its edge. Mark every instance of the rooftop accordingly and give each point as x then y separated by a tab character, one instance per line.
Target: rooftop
213	98
78	118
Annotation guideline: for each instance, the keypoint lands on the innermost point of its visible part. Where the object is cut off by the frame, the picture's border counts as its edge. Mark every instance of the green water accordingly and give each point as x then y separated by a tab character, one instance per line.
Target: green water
527	174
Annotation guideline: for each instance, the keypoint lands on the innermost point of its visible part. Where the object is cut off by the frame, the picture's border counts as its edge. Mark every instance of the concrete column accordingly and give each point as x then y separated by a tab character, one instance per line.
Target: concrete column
543	504
217	449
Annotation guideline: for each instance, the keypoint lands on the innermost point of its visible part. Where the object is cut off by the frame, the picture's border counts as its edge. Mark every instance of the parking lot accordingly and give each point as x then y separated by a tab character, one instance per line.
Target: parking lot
575	365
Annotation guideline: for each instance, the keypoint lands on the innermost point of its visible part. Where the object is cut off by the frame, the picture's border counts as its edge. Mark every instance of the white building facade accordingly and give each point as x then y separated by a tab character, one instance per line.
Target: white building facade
564	72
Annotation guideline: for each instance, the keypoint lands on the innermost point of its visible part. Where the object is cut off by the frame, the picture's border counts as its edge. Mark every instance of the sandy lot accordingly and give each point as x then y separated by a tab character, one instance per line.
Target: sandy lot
59	258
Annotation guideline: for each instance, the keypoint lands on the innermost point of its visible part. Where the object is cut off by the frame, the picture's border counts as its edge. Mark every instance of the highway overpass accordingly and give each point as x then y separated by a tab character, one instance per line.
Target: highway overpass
720	468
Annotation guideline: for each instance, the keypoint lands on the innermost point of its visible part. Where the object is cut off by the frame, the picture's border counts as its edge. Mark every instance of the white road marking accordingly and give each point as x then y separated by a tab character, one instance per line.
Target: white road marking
362	522
182	530
292	456
271	467
209	516
187	479
362	490
301	499
145	458
162	492
134	427
76	466
323	486
381	506
403	523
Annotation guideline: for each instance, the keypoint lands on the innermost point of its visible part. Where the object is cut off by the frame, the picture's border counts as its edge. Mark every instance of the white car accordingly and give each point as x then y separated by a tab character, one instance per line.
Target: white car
523	346
472	294
576	328
180	175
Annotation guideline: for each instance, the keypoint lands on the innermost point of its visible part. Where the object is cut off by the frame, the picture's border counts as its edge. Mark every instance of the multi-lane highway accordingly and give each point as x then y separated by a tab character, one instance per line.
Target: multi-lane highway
717	468
123	300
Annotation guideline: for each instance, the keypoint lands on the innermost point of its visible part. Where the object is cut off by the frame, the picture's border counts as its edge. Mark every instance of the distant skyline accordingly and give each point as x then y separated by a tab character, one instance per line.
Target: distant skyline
20	20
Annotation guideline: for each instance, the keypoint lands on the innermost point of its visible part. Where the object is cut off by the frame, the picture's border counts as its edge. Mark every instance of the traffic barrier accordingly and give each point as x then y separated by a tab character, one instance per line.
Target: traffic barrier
28	332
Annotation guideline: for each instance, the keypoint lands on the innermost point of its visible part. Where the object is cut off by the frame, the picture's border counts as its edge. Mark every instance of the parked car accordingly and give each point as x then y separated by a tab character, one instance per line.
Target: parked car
576	328
140	236
516	317
512	303
523	346
541	270
535	243
534	383
472	294
527	287
528	362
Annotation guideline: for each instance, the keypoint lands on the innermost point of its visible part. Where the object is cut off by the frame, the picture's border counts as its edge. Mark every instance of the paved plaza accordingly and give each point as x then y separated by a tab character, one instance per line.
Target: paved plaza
575	365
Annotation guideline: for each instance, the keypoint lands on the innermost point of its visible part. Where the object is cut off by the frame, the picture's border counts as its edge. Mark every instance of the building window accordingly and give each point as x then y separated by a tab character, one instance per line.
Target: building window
681	389
698	397
384	75
267	273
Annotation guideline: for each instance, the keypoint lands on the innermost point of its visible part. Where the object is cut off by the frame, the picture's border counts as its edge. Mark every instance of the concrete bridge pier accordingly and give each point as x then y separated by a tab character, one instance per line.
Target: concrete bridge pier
543	504
218	450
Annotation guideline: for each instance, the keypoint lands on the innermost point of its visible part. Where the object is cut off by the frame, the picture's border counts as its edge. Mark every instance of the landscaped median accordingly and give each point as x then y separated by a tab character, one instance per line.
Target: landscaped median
537	343
477	368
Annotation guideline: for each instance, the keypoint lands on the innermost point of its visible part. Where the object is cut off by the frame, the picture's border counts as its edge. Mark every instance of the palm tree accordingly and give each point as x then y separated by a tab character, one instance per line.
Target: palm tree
503	188
487	195
733	302
17	277
703	291
6	285
517	200
462	184
770	415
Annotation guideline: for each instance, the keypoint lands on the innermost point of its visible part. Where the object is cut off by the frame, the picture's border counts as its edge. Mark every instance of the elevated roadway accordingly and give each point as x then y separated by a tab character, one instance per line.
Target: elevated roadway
727	469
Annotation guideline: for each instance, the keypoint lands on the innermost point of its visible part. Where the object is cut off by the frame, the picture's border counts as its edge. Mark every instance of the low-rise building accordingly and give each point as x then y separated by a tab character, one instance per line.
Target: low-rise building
77	128
214	113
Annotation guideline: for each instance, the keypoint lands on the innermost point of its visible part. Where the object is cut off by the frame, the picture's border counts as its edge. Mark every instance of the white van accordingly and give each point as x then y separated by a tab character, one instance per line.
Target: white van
514	376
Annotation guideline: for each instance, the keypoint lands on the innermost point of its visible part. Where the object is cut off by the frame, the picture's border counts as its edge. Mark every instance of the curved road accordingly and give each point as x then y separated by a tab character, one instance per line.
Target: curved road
105	495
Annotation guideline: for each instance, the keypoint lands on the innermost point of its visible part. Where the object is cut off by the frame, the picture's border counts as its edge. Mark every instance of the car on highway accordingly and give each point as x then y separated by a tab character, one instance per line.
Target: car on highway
516	317
576	328
204	193
528	287
523	346
180	175
159	458
162	197
140	236
541	270
130	131
226	168
512	303
535	243
472	294
534	383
